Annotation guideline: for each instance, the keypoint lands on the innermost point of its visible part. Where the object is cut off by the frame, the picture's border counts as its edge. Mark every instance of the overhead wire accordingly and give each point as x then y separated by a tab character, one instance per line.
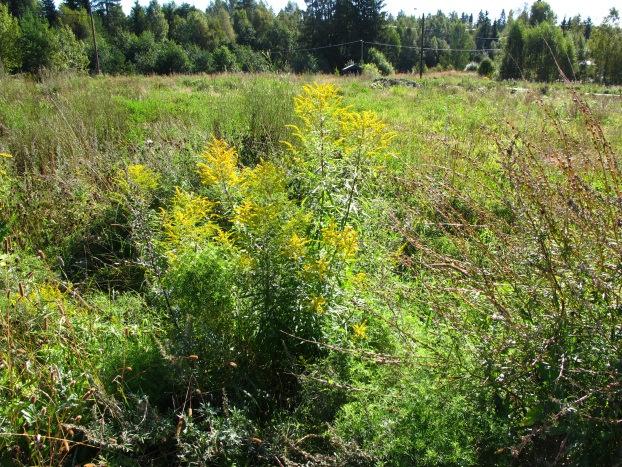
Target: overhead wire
382	44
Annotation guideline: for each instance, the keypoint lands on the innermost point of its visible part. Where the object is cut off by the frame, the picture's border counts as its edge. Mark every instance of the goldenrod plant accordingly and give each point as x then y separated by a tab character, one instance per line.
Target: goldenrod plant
276	252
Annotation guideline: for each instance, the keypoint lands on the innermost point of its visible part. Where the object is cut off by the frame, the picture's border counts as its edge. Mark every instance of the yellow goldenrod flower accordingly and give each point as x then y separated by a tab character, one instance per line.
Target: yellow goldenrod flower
360	330
4	155
318	268
359	279
49	293
142	177
188	220
264	180
345	242
315	103
364	133
221	164
246	261
245	213
297	247
318	304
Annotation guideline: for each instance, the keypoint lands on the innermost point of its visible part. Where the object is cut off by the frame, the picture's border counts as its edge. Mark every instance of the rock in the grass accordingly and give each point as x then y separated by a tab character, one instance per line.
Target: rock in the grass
388	82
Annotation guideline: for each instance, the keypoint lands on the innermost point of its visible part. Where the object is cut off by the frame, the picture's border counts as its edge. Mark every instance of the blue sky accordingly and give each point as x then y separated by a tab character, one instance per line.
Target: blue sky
596	9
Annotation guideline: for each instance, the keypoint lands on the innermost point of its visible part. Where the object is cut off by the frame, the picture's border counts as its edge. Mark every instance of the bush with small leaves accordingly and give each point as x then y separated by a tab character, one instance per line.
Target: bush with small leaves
376	57
486	67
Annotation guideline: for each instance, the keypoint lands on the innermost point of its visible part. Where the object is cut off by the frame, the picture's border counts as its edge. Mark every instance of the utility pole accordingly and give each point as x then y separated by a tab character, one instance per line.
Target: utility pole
94	39
362	52
421	46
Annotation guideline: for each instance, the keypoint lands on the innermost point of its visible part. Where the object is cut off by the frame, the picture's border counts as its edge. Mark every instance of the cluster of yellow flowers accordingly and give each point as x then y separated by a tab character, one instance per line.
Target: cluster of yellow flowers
4	155
317	269
364	133
137	181
220	164
344	242
359	330
189	221
318	304
316	101
252	209
50	294
143	177
297	247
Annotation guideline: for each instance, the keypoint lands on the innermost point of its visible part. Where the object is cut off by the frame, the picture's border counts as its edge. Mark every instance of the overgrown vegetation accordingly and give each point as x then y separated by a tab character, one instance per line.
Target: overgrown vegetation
261	271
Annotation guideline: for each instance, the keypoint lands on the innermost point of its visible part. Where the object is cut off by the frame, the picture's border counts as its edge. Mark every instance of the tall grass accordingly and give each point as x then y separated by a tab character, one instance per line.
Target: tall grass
451	298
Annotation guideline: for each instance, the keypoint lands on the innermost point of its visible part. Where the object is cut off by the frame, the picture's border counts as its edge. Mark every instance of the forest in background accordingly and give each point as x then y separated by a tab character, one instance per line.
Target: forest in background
246	35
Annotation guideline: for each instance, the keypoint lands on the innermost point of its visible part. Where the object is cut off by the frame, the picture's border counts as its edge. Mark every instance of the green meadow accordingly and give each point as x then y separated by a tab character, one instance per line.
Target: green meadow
309	270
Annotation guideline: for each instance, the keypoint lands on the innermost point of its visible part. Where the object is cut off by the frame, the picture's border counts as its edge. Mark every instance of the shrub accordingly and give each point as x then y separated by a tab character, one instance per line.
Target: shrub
545	49
251	61
143	52
258	257
171	58
376	57
224	60
304	62
69	53
513	59
202	60
10	55
370	71
111	56
37	44
486	67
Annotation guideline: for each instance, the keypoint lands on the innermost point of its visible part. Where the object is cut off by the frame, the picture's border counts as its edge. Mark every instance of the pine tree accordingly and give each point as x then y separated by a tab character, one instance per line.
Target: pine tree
502	22
138	19
49	11
20	8
513	52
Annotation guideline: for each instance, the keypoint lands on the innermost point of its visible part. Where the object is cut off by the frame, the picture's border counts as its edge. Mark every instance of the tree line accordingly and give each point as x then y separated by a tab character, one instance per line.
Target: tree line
247	35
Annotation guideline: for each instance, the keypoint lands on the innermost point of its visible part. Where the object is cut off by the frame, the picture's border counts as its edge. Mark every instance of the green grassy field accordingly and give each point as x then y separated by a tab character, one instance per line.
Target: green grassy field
438	286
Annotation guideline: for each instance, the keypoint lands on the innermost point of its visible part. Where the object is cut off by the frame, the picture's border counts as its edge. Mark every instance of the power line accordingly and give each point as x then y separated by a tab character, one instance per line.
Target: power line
327	46
383	44
448	49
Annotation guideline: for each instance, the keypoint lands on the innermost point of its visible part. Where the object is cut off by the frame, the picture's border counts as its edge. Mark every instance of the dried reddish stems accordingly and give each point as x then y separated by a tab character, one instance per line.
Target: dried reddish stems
522	254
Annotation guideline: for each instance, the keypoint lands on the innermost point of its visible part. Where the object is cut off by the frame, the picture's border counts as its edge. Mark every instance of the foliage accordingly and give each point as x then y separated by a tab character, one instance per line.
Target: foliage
249	37
274	265
548	53
10	56
171	58
37	44
506	267
541	12
370	71
63	355
486	67
605	45
224	59
377	58
513	59
70	54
